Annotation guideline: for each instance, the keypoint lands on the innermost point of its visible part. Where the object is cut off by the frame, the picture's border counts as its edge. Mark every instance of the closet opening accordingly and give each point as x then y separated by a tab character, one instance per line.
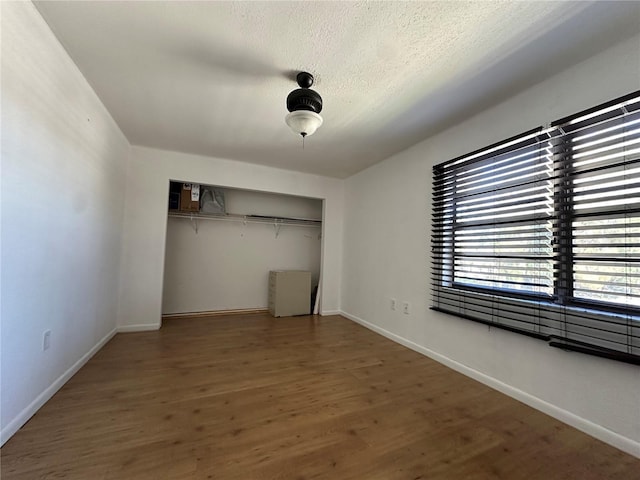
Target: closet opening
223	243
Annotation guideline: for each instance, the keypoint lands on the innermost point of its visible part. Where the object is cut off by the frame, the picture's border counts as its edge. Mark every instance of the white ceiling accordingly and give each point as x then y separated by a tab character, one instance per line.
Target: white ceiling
211	78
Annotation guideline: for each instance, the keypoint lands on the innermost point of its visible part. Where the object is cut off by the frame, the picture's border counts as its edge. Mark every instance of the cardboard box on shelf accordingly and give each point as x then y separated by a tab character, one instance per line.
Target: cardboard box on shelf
190	197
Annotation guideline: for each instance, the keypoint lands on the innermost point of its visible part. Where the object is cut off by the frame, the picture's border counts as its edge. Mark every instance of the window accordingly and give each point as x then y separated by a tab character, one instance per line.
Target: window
540	234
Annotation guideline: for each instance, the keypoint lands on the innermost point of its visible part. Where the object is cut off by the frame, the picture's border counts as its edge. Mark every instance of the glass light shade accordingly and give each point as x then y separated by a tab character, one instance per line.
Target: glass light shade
303	122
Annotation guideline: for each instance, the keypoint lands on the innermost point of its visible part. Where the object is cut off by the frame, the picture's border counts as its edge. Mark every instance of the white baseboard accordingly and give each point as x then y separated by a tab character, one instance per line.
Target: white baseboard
143	327
326	313
612	438
14	425
214	313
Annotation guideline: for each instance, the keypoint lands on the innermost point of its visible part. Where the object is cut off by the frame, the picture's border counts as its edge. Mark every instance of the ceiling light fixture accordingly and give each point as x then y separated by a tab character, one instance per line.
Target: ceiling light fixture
304	106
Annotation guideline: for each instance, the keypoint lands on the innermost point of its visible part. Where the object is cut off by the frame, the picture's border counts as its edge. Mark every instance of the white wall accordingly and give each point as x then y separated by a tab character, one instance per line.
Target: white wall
386	254
63	167
225	265
247	202
146	222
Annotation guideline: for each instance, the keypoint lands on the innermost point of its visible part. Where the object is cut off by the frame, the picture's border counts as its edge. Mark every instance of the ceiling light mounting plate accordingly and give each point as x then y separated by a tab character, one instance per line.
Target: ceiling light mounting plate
304	79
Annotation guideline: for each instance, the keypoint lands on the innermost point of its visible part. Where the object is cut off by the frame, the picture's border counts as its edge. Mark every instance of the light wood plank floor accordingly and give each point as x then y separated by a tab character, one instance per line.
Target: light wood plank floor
253	397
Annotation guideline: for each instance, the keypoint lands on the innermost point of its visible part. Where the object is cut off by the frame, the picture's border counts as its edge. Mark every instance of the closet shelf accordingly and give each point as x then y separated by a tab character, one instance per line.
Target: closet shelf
232	217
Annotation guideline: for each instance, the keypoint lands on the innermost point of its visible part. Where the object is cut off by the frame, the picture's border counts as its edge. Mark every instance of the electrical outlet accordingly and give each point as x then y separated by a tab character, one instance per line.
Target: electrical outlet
392	304
46	340
406	308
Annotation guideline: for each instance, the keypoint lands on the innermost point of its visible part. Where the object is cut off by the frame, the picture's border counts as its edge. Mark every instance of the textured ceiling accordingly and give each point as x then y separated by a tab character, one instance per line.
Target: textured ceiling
211	78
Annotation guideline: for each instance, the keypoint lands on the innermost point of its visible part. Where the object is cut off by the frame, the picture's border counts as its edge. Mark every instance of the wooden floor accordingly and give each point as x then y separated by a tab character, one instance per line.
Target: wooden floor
253	397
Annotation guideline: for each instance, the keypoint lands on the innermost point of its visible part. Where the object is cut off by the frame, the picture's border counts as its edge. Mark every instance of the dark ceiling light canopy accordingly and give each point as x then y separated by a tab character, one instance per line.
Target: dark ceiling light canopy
304	106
